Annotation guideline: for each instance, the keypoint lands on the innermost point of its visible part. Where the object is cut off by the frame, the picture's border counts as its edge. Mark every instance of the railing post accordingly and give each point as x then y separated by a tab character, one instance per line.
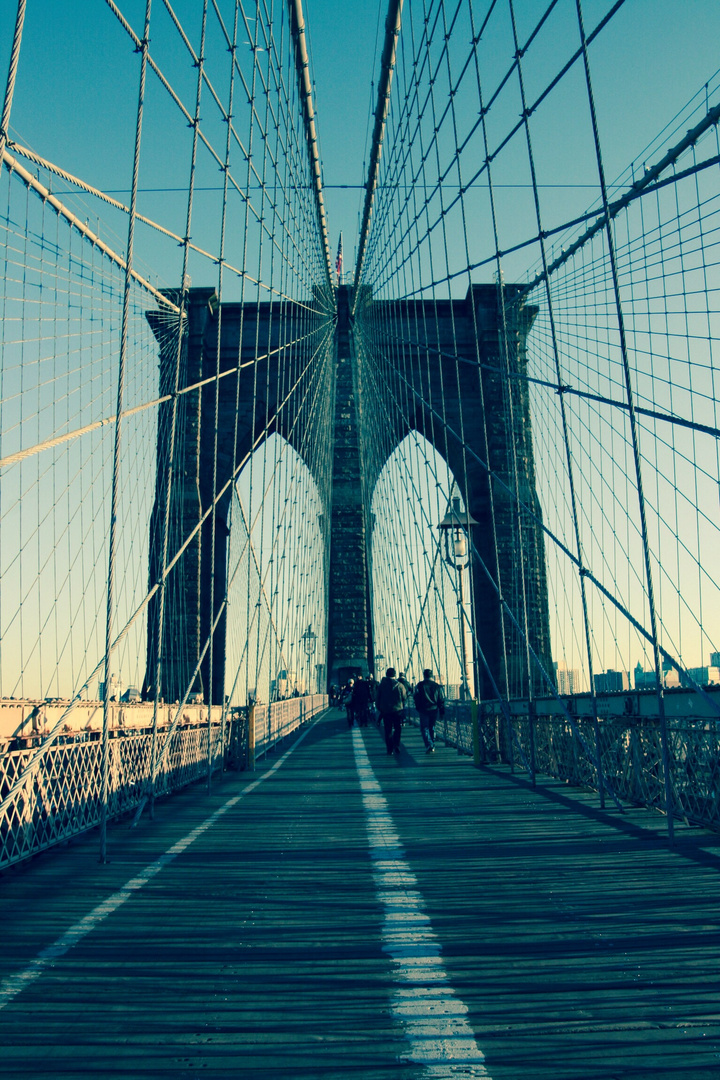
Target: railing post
251	738
509	739
532	717
477	760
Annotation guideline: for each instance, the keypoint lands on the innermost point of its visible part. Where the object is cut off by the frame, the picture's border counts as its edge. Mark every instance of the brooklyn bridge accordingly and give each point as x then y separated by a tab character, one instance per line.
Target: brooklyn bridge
337	343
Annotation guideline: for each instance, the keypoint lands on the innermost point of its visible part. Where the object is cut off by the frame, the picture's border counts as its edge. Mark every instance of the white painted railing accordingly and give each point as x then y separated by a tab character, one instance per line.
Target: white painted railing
269	724
50	781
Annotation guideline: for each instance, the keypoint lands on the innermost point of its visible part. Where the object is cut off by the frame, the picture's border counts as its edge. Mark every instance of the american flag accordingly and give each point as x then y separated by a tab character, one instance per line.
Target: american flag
338	261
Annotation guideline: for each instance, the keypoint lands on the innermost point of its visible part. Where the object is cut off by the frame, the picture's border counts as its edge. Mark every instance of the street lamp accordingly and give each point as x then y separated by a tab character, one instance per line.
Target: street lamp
309	640
455	528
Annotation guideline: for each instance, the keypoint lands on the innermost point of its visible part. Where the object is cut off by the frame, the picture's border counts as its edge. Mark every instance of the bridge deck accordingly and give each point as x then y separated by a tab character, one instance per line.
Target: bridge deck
325	925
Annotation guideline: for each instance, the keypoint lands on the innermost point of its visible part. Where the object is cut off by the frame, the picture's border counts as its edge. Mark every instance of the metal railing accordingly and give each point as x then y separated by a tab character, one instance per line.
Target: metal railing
629	740
60	796
270	724
57	796
455	728
631	760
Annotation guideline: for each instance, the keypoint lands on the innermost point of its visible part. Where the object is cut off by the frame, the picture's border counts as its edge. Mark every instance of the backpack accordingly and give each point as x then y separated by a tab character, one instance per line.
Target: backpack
398	695
428	696
391	697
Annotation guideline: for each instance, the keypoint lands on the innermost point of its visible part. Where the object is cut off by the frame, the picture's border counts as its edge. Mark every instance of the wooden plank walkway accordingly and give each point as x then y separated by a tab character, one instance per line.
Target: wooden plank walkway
354	914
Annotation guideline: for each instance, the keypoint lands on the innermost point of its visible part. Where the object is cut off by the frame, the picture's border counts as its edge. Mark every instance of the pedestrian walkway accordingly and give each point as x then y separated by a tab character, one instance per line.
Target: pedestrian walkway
345	913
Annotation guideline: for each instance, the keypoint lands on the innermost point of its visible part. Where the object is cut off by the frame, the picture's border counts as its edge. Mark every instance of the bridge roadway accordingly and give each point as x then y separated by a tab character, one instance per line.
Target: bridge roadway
344	913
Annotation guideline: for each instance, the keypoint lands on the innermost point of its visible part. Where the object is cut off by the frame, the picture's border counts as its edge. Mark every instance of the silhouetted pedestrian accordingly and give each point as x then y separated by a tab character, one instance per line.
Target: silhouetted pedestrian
391	703
408	692
347	702
361	700
430	703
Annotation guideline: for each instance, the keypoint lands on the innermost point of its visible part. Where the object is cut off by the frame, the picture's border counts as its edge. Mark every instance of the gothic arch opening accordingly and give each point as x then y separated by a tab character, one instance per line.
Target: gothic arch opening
276	639
415	595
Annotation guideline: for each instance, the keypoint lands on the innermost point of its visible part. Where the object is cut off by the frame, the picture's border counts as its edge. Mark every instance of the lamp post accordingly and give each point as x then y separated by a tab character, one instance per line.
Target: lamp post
455	528
309	640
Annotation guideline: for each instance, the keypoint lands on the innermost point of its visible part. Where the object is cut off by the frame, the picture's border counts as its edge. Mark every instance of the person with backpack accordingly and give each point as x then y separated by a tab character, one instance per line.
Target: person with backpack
406	684
391	705
430	703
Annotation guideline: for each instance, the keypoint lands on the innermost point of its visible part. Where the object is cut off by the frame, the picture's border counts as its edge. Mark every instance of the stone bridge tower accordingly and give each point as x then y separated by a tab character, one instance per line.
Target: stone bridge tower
452	352
254	334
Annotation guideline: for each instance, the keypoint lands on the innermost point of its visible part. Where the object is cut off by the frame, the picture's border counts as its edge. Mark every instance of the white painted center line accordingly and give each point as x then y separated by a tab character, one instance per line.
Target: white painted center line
424	1002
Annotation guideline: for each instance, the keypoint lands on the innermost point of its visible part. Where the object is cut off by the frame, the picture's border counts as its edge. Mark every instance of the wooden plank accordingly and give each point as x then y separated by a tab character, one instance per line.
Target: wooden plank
581	946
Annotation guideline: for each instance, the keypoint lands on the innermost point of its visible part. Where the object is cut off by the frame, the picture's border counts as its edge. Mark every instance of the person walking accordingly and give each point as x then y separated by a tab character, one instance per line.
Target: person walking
361	699
408	692
430	703
373	684
347	701
391	704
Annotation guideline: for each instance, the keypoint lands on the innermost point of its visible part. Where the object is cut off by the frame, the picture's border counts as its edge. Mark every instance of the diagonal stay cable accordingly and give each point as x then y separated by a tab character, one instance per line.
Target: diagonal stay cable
531	513
49	740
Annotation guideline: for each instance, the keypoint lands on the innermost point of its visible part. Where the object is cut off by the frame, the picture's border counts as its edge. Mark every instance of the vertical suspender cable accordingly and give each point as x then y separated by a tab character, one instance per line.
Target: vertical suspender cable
634	435
181	327
221	265
516	480
241	329
463	619
112	542
7	103
198	617
486	444
566	439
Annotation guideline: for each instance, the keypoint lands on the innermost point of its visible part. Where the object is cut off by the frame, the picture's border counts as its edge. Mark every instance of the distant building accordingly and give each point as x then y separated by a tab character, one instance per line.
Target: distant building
114	689
703	676
610	681
567	680
644	680
700	676
715	659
